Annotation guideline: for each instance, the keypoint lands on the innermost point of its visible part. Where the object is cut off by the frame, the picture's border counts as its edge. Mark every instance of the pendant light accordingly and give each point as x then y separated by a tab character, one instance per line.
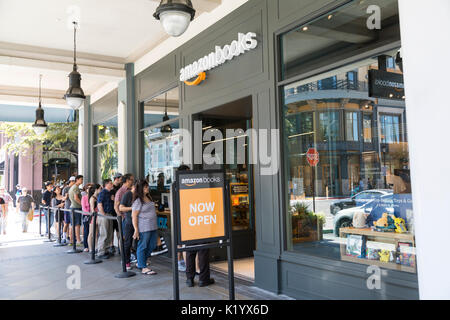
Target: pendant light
40	125
74	95
175	16
166	130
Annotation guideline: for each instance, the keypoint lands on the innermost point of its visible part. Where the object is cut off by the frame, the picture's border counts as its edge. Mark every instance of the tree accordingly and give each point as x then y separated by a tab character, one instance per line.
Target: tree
58	137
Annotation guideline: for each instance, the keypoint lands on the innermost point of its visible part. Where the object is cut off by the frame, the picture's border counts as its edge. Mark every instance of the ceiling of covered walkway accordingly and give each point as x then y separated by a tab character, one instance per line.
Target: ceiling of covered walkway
36	37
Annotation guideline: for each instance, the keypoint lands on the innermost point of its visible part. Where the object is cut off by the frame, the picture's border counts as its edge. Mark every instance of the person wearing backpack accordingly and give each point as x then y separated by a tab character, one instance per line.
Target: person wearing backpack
24	204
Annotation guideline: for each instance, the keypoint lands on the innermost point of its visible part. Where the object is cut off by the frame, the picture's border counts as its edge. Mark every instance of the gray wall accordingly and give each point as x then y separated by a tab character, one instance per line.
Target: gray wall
253	74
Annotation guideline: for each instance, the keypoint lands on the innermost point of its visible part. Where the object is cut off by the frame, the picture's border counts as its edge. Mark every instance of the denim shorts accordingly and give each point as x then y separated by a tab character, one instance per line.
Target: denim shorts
77	217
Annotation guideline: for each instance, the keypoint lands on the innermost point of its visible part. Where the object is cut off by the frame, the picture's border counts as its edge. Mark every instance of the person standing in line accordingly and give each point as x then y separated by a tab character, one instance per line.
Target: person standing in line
105	206
94	191
117	184
145	225
57	202
3	216
24	204
46	202
65	194
125	208
86	219
8	200
75	203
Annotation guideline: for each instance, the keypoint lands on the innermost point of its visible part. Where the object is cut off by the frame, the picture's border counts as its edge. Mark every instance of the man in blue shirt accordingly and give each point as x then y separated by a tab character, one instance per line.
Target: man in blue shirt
105	206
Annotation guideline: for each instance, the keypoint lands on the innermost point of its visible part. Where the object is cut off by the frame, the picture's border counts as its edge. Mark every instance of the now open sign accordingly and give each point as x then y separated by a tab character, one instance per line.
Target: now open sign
201	206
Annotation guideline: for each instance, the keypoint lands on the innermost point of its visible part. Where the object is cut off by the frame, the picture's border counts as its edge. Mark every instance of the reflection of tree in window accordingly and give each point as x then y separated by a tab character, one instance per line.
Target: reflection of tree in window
107	153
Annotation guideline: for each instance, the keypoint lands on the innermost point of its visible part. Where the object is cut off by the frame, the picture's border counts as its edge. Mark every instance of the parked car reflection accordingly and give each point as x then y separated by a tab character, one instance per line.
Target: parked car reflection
373	208
358	199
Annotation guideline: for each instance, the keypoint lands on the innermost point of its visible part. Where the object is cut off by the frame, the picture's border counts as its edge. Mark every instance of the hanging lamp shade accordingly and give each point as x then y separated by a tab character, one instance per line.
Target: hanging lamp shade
39	125
175	16
74	95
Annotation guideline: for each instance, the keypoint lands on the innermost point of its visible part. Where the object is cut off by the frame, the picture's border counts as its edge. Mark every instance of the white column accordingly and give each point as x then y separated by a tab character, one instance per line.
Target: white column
425	27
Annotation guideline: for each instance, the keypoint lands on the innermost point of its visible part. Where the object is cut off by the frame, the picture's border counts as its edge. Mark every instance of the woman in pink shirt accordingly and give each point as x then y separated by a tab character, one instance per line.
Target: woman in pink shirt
86	219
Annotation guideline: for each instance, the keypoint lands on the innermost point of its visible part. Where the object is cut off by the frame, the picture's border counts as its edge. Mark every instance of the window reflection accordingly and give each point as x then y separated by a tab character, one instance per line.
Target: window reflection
363	171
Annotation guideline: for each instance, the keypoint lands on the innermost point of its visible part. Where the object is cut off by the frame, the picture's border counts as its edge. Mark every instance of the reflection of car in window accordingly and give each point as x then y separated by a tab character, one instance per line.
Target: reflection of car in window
374	208
357	200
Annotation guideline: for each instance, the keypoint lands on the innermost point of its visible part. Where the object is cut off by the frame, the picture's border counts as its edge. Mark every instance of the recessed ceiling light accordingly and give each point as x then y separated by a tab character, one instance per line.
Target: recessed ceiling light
305	28
330	16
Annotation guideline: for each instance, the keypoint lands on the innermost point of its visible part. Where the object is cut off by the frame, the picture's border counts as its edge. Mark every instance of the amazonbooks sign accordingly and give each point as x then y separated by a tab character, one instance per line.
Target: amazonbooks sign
201	206
244	43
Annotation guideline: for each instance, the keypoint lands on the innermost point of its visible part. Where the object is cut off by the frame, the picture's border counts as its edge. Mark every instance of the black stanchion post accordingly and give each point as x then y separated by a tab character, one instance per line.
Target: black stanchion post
49	225
174	227
124	273
40	220
230	244
74	237
60	228
94	238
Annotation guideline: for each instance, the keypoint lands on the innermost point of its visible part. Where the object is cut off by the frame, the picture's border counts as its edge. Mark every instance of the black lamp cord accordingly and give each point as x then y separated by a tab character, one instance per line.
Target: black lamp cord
75	45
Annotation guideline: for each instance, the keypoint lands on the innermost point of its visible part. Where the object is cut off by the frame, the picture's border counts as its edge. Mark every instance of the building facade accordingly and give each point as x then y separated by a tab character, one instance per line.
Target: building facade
312	78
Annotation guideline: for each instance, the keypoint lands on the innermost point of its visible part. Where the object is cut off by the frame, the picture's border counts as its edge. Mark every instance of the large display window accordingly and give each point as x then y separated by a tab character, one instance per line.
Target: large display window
106	149
161	150
361	185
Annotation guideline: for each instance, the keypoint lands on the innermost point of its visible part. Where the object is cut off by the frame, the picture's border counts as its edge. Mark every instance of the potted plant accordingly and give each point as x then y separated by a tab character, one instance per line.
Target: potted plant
306	225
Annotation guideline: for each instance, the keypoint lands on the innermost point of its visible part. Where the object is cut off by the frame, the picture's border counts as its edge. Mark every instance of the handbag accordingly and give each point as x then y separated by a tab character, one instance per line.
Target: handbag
30	215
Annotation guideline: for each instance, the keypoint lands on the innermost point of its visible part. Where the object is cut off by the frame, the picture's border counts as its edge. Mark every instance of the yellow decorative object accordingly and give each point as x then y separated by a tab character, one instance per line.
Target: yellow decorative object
383	221
400	226
384	255
201	77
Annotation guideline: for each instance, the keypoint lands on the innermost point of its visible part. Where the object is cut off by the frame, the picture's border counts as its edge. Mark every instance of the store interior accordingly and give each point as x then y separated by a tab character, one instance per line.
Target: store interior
236	115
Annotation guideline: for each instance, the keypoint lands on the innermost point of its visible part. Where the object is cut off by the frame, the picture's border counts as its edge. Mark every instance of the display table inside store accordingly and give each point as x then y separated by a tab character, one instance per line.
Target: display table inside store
389	250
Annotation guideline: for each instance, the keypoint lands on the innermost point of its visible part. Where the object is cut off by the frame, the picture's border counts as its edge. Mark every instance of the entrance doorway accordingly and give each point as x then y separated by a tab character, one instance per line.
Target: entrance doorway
235	116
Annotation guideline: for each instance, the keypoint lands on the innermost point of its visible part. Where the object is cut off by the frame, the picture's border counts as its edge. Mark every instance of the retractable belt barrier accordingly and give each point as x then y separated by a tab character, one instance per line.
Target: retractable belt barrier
124	273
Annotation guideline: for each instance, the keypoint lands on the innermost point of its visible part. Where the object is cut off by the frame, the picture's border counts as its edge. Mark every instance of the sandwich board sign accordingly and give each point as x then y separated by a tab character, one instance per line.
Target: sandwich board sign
202	207
201	217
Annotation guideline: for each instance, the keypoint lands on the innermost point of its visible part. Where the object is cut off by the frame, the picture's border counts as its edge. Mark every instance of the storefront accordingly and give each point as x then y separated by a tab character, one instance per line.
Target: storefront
309	75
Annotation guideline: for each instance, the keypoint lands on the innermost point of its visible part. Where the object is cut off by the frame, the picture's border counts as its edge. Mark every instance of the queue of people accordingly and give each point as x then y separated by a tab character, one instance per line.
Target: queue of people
121	196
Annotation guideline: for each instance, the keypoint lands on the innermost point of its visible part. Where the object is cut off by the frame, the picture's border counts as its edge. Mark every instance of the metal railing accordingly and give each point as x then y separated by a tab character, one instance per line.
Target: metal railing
95	216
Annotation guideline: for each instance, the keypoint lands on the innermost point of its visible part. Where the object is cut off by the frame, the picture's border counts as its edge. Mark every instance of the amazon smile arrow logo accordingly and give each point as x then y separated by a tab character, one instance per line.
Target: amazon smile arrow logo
200	78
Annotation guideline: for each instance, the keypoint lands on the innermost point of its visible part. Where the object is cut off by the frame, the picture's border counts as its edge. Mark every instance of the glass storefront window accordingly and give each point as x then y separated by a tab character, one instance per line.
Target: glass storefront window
106	149
161	157
361	185
161	152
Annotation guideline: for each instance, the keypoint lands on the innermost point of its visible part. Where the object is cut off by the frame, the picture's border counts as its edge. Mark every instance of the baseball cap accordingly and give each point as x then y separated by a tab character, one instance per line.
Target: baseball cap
48	183
117	175
72	178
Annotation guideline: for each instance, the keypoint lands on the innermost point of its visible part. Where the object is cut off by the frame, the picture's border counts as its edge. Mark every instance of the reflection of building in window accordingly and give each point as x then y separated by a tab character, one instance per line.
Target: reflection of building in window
329	126
390	128
351	126
162	155
367	128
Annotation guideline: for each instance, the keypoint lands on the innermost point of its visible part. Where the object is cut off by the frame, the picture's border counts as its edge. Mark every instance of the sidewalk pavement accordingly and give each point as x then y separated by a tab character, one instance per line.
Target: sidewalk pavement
35	270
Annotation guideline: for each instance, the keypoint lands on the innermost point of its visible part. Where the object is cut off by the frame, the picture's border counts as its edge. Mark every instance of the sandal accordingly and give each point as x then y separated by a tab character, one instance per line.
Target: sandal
148	272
